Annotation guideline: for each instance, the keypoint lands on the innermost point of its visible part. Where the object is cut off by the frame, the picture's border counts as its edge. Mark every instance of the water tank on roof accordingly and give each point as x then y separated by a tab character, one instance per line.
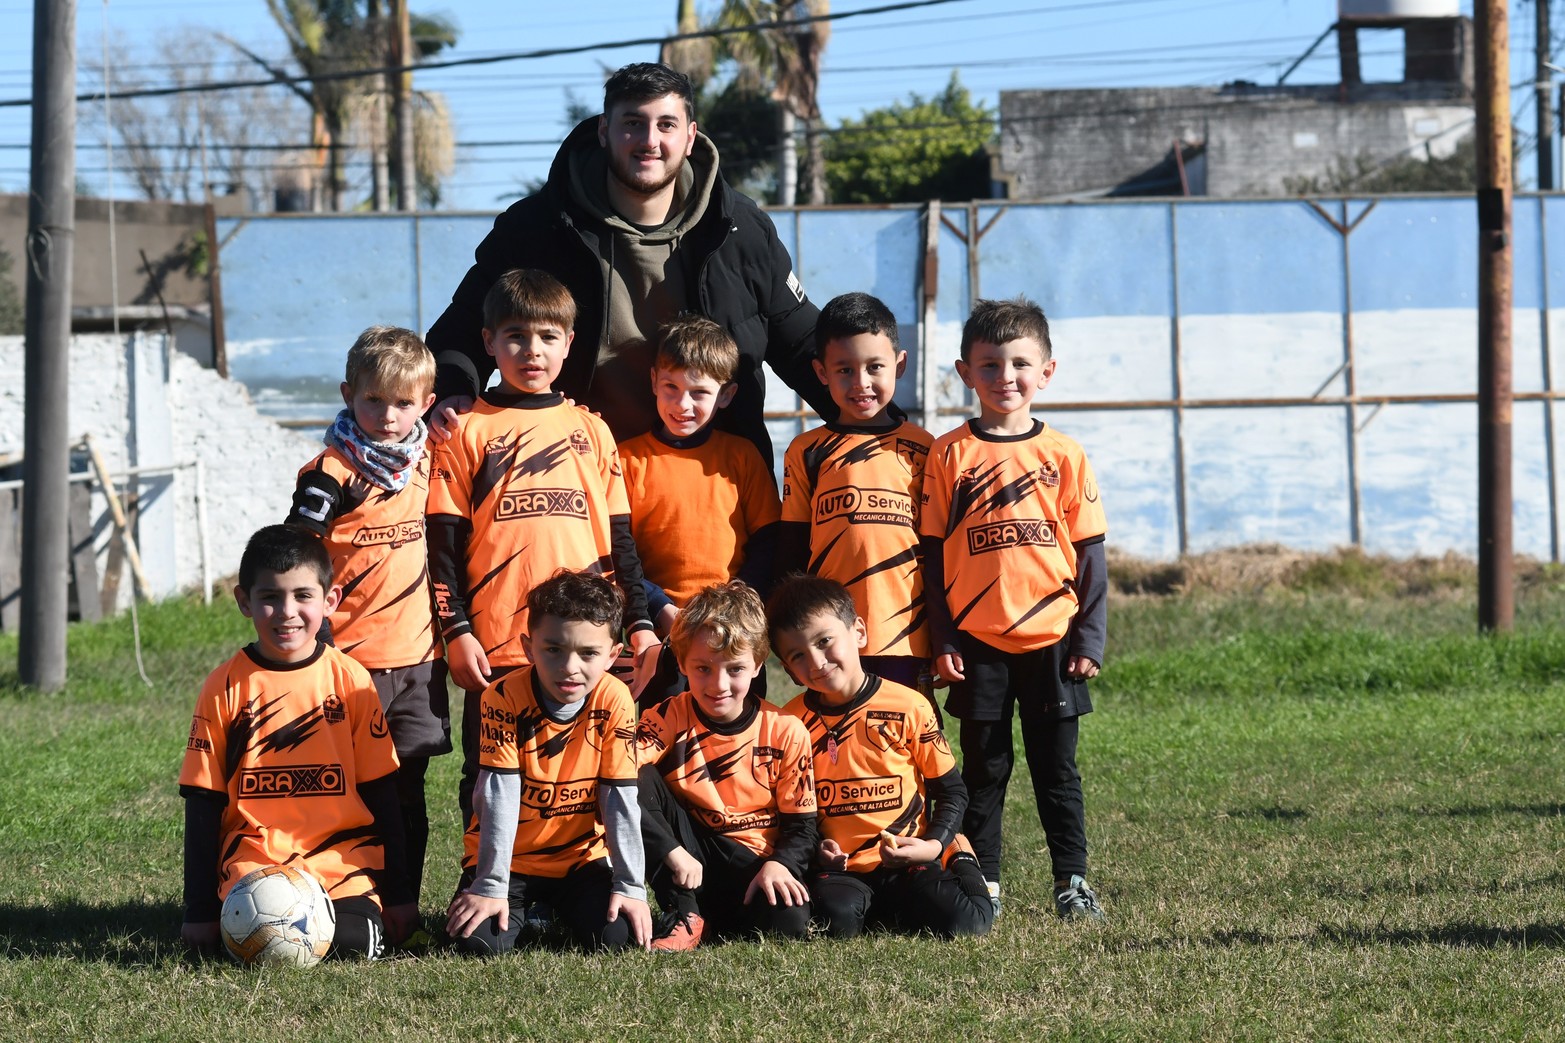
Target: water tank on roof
1350	9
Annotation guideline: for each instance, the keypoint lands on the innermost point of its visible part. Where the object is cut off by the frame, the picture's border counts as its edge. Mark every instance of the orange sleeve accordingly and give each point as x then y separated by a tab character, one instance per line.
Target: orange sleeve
609	470
934	500
206	750
497	744
931	752
757	492
374	755
796	777
618	763
796	492
450	479
1084	516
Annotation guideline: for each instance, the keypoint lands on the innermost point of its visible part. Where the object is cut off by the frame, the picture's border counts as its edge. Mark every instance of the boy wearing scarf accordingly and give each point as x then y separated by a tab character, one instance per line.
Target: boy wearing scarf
365	497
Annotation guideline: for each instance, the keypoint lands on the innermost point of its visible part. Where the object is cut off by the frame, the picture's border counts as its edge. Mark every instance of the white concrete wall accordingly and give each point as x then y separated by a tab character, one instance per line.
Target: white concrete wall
187	413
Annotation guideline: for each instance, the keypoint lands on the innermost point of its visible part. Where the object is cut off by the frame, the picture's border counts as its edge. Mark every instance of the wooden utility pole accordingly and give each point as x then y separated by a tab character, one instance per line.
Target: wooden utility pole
1496	600
51	232
402	55
1545	99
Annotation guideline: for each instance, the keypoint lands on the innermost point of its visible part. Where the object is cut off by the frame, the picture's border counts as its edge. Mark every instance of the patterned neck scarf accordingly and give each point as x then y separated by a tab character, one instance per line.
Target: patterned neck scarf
386	464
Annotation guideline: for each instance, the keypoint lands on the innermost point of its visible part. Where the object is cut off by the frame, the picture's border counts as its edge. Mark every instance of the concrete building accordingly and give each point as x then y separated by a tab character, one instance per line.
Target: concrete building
1243	139
154	271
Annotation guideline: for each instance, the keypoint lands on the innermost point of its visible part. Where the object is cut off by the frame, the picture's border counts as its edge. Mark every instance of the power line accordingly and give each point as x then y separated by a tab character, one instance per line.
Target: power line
548	52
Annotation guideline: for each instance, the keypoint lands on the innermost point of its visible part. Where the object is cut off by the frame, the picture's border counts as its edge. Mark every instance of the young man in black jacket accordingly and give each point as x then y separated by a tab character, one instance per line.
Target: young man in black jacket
637	222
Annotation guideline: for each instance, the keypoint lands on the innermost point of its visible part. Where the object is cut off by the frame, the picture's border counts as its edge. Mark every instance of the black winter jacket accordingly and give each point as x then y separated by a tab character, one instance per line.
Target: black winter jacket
738	273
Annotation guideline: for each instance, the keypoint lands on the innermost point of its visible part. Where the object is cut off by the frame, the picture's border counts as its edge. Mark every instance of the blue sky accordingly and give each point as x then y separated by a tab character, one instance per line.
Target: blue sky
869	62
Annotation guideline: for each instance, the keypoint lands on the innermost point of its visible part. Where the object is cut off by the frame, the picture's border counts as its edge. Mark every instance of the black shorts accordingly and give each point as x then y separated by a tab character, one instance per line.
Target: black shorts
417	707
1034	682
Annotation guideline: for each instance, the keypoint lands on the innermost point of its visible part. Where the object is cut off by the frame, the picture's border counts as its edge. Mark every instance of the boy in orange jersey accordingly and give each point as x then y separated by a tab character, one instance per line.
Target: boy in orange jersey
703	504
851	488
1007	496
528	485
559	822
891	797
727	793
290	762
365	497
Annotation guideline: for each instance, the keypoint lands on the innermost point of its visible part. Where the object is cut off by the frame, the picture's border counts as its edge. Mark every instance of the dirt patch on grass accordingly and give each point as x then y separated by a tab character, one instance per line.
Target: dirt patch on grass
1262	568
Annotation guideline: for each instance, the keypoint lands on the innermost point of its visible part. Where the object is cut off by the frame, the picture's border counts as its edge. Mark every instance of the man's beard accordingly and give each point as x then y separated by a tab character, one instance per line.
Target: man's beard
642	186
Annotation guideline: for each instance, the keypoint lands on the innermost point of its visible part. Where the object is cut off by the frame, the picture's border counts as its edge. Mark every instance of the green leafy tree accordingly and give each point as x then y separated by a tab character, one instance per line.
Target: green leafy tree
913	151
1456	172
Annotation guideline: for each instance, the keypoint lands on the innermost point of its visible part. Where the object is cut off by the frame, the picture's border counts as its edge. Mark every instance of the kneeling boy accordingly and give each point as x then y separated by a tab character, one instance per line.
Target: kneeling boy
728	798
558	822
880	763
290	707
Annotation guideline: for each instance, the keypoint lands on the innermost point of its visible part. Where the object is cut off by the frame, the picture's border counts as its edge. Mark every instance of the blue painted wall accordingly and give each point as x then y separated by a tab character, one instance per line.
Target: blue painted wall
1228	305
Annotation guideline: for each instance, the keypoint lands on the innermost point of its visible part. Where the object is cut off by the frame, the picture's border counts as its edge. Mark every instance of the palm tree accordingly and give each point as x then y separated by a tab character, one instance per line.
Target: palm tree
331	36
788	60
697	58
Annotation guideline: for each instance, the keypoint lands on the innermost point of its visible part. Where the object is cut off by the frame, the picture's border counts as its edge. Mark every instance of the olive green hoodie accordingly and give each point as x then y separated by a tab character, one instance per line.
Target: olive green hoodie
645	280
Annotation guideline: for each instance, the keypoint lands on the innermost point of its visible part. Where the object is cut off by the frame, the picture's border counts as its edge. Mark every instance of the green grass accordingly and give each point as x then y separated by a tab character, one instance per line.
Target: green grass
1313	816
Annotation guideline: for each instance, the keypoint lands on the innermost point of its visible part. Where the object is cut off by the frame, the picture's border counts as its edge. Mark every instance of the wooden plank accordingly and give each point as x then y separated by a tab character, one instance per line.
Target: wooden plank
10	560
85	597
114	566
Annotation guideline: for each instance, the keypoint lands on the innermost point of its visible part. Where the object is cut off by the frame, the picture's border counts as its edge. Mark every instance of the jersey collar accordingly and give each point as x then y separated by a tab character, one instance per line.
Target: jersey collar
746	717
812	698
253	650
522	399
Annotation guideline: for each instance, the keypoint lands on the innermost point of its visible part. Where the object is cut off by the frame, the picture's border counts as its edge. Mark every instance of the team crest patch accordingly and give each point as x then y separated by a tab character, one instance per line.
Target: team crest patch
764	764
333	710
580	441
881	728
598	726
1049	475
796	287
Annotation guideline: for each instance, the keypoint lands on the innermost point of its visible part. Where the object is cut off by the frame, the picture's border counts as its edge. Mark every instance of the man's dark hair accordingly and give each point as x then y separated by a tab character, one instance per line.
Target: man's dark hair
283	548
1000	322
848	315
644	81
577	597
800	597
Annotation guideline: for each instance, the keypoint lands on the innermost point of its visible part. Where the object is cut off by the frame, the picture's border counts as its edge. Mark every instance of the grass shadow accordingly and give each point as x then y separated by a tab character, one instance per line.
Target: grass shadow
1275	813
1545	810
1458	935
130	934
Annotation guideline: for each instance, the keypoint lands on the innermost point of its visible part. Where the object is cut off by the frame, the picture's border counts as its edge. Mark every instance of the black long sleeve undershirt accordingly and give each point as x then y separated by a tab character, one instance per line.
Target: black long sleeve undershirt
380	796
203	835
947	796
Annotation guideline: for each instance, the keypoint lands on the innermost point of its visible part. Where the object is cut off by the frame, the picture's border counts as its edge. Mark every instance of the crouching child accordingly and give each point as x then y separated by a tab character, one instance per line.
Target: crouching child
727	791
891	797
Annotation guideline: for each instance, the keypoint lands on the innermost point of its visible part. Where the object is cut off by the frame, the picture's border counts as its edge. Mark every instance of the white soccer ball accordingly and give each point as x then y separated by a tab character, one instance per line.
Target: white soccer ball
278	914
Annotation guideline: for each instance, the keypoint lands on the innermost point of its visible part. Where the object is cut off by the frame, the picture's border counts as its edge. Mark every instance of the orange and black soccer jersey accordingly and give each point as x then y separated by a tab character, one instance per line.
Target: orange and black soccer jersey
693	508
872	757
858	490
289	746
538	481
378	555
1008	509
558	827
735	779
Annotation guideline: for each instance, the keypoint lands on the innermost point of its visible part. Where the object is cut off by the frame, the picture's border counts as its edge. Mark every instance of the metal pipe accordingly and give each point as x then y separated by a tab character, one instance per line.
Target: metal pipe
51	233
201	532
1496	596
